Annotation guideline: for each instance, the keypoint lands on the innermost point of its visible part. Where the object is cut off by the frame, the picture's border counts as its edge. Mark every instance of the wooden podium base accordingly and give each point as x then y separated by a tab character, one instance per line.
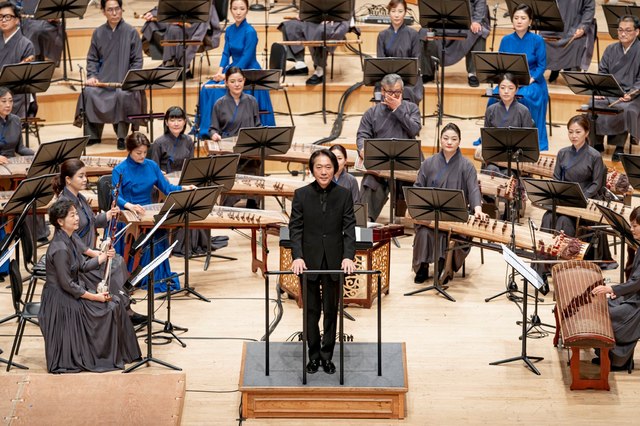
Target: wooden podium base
364	395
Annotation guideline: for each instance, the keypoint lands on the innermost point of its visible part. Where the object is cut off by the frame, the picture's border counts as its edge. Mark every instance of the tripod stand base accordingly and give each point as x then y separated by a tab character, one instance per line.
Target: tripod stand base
189	291
149	360
169	329
525	358
435	287
511	296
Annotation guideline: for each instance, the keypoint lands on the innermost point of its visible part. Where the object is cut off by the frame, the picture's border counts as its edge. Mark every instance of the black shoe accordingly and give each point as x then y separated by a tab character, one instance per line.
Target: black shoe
473	81
599	147
313	365
93	141
121	145
328	366
138	319
297	71
616	154
422	274
314	80
554	76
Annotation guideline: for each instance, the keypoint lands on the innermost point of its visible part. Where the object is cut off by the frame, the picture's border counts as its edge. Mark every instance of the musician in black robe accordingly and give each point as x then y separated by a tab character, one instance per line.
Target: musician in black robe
14	48
115	49
624	308
401	41
45	34
391	118
622	60
82	331
451	170
296	30
154	31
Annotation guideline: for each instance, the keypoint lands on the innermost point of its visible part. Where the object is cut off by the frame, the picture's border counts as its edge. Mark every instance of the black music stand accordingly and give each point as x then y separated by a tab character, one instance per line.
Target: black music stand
631	165
623	229
188	206
62	9
444	15
491	66
50	155
31	193
27	78
507	144
183	11
257	79
612	15
593	84
392	155
156	78
376	68
219	170
263	141
529	276
554	193
436	204
320	13
546	15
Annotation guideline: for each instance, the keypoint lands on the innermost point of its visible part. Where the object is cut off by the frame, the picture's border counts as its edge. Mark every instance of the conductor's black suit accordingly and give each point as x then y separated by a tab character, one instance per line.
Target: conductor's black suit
322	233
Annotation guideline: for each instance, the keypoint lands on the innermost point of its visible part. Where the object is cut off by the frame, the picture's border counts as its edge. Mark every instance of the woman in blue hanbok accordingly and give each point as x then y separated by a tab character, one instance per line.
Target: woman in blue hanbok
535	96
139	176
240	41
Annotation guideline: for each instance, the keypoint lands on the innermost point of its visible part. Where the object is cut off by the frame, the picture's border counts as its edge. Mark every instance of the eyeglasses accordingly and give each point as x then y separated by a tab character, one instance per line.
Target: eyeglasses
114	10
7	18
392	92
620	30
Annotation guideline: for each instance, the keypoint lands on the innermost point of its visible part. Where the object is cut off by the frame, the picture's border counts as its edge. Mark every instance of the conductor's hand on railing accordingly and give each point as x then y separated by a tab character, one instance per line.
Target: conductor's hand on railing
477	212
604	289
298	266
348	266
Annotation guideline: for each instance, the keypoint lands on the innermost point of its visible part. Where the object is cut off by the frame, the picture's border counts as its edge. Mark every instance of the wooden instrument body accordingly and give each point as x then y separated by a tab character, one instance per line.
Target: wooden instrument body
18	167
591	212
256	185
582	319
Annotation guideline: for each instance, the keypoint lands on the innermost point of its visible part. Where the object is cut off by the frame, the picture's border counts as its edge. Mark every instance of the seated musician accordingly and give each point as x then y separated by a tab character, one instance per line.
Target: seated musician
296	30
624	308
45	34
232	112
400	41
622	60
170	151
115	49
342	177
11	129
139	176
14	47
83	331
391	118
446	169
172	55
582	164
68	186
475	39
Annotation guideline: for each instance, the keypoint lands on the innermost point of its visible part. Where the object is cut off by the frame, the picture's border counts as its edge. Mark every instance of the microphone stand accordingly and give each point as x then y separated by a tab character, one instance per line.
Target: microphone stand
266	35
436	75
195	128
83	114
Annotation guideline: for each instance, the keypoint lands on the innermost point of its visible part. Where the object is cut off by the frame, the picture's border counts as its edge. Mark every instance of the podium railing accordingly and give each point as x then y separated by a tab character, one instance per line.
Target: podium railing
304	316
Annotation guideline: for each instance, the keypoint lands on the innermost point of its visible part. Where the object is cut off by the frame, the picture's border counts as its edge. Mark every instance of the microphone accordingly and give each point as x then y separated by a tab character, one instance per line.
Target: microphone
435	59
533	225
611	194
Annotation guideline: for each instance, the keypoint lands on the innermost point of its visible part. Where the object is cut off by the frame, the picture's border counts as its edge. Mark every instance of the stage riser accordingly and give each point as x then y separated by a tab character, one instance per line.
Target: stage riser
338	404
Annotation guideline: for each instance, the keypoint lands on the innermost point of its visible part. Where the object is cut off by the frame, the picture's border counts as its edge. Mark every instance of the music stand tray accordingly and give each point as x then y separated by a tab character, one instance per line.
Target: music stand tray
623	229
554	193
613	13
262	79
263	141
491	66
631	165
436	204
546	15
38	188
502	143
376	68
219	170
50	155
445	14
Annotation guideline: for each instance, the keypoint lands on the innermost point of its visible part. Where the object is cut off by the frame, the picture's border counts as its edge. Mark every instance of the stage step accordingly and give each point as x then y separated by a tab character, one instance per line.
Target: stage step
364	395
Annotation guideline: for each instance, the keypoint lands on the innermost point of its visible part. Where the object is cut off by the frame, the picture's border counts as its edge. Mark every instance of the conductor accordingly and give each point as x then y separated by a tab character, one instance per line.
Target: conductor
322	232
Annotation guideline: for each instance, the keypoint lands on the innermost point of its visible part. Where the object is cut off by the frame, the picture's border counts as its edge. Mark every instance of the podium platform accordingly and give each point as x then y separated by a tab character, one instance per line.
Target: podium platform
364	394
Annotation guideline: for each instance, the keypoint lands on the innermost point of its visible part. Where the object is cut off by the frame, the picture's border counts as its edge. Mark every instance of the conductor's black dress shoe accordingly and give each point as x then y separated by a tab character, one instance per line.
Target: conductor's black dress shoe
313	365
328	366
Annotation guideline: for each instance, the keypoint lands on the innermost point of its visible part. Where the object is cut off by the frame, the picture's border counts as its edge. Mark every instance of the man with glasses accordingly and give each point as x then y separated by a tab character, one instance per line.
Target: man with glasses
115	49
395	118
622	60
14	47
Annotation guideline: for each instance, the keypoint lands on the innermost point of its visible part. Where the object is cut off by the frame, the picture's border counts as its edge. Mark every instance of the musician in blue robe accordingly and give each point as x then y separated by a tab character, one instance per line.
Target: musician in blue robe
240	42
535	96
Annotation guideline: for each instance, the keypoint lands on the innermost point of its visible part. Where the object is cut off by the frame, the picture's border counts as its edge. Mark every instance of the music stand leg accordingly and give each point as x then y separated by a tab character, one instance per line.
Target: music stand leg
169	328
187	253
341	330
266	324
304	328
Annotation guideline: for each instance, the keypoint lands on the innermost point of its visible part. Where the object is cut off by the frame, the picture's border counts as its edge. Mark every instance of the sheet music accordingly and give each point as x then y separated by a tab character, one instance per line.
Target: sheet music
7	255
523	269
153	264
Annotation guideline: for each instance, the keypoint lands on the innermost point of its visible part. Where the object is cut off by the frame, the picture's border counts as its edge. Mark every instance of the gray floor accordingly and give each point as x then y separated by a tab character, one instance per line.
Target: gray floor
285	366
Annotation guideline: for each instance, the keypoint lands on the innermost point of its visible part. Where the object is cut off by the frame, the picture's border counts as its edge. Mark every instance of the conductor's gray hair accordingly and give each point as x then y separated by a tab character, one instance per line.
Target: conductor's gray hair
391	80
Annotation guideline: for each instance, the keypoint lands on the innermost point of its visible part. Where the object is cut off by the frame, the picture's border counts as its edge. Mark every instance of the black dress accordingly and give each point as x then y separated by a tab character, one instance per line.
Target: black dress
79	334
